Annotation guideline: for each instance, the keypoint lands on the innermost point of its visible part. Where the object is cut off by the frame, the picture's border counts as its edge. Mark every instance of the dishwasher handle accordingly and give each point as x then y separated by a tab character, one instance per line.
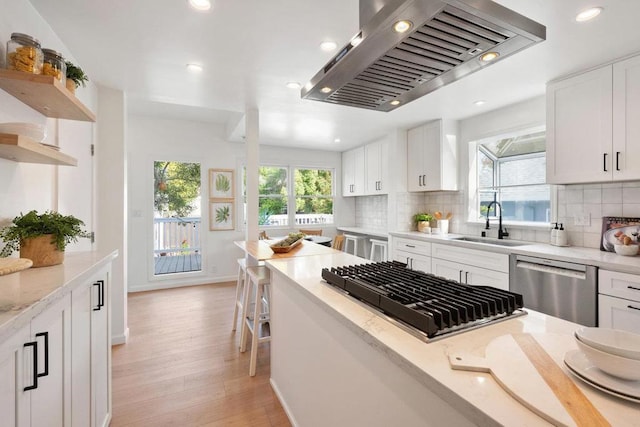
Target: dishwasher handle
551	270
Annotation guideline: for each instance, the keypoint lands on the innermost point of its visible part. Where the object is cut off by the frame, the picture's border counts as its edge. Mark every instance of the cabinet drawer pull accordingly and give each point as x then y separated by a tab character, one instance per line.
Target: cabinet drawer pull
410	246
634	308
46	353
617	160
604	162
34	385
633	288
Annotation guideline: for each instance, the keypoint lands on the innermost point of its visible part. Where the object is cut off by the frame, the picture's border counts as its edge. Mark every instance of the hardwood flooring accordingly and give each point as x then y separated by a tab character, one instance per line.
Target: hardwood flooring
182	367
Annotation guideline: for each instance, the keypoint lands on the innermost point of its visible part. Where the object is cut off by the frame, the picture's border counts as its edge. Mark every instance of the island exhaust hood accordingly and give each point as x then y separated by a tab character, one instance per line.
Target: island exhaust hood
382	68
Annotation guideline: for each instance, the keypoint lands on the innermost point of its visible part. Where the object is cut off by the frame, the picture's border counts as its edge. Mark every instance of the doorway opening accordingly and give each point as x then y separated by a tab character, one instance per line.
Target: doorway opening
177	221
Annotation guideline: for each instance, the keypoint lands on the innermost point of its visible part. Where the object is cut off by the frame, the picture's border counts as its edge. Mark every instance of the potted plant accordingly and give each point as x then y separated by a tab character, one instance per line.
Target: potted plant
424	221
75	77
41	238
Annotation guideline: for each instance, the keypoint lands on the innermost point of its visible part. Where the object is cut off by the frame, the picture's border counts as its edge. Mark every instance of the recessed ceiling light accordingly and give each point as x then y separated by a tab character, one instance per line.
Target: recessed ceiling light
489	56
325	89
336	140
201	5
328	46
589	14
194	68
402	26
293	85
480	102
395	102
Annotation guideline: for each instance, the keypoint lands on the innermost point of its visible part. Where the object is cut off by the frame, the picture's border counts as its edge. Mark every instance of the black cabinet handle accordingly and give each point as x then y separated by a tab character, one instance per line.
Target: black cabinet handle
97	307
46	353
617	160
34	385
633	288
101	296
424	180
604	162
410	246
634	308
466	277
460	276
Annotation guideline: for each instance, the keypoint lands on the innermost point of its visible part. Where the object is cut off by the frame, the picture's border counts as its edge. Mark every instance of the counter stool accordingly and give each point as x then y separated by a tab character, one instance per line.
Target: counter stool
256	321
240	287
382	245
352	238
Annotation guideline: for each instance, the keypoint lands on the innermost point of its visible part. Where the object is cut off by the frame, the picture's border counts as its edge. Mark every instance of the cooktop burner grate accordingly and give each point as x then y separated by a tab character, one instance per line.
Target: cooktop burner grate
431	304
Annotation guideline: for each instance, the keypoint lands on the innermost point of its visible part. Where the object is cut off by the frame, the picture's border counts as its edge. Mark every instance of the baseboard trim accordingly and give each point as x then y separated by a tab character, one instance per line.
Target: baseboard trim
120	339
287	411
180	284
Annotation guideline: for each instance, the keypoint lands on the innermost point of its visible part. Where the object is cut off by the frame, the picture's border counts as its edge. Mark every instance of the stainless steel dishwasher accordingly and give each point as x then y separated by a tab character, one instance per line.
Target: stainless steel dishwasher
561	289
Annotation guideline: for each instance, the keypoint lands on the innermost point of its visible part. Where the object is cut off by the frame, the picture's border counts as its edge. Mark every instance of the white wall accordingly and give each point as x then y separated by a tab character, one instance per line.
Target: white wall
152	139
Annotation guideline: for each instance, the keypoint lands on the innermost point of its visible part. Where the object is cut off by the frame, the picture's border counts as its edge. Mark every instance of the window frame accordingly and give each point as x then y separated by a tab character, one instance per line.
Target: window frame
473	196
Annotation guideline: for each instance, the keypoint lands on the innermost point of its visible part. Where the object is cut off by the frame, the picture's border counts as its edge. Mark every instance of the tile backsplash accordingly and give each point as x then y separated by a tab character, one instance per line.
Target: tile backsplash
586	203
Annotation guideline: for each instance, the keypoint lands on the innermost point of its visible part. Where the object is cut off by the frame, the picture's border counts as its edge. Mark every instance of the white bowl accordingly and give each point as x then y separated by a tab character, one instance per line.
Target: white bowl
628	250
30	130
621	367
613	341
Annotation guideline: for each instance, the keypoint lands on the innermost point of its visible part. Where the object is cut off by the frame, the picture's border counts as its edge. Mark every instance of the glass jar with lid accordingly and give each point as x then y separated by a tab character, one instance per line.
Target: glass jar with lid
54	65
24	54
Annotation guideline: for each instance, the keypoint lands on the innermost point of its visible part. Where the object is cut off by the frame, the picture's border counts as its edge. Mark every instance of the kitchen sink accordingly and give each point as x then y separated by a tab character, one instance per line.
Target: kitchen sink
489	241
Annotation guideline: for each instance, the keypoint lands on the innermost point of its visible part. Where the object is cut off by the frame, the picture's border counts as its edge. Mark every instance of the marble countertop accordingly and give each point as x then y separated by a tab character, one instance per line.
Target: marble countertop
364	231
25	294
477	395
588	256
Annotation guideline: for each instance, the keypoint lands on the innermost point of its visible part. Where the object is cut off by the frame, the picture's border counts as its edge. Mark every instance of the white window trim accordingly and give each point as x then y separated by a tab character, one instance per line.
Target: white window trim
472	185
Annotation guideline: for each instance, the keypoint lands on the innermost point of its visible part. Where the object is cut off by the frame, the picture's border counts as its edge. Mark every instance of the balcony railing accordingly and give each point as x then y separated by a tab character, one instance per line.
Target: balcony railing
176	236
301	219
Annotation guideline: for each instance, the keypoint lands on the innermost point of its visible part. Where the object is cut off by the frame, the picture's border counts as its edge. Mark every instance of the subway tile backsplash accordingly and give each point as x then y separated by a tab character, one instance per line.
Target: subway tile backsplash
371	212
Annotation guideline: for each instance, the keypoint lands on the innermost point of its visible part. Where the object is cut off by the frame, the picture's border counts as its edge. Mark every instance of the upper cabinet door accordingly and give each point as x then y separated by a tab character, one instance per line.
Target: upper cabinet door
579	128
432	162
376	155
415	155
626	123
353	172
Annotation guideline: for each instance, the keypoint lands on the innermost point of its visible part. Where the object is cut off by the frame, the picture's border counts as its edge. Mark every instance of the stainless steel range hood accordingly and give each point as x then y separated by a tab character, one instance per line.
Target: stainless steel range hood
447	41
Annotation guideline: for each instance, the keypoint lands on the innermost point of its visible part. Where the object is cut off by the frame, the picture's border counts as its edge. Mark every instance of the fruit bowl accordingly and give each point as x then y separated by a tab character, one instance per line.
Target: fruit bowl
31	130
627	250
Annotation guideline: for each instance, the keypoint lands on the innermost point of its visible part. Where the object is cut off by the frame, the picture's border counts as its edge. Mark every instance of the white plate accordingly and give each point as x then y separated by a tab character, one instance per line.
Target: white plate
586	371
609	239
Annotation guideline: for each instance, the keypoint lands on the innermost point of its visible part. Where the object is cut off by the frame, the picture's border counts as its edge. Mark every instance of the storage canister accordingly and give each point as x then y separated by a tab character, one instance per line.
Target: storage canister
24	54
54	65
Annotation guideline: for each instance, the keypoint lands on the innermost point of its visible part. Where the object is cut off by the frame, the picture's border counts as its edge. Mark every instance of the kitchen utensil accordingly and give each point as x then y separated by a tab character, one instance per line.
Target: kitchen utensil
437	215
30	130
627	250
621	367
613	341
548	391
443	225
585	370
12	265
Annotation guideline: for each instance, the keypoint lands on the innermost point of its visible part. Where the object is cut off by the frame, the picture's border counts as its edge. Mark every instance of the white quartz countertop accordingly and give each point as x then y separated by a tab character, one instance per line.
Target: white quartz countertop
587	256
364	231
477	395
25	294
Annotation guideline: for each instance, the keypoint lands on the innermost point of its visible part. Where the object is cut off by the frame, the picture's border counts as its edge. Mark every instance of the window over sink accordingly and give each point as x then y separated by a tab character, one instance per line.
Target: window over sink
510	169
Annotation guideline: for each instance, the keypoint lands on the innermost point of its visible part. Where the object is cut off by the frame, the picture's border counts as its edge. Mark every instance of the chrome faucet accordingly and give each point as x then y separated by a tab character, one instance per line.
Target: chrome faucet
501	233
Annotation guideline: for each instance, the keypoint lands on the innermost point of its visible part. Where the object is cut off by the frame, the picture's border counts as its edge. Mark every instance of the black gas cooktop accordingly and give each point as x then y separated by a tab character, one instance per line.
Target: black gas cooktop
427	303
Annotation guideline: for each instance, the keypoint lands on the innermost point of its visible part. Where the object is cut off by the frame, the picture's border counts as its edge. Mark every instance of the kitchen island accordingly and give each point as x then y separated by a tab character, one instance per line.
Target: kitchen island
336	362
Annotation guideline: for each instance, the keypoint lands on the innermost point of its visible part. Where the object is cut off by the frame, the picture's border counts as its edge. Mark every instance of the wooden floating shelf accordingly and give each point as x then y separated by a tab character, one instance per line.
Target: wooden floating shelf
22	149
45	94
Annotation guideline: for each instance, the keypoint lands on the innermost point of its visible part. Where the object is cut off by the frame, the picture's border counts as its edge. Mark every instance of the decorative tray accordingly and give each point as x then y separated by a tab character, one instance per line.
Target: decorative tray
284	249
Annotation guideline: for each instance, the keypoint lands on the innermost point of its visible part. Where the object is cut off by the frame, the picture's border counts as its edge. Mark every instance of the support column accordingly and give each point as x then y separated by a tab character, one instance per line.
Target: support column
252	143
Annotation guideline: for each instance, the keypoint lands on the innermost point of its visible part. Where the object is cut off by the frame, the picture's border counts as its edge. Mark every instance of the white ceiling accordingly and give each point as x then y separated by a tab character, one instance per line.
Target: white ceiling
251	48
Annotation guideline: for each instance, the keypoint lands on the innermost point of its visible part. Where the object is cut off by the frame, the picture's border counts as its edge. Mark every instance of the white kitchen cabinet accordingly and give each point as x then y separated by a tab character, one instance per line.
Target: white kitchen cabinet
470	266
376	170
415	253
91	352
35	371
619	301
353	167
592	126
432	160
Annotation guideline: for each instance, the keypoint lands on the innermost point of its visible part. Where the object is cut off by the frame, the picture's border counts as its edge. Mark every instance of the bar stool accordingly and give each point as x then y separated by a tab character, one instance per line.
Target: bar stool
382	245
257	322
240	288
354	239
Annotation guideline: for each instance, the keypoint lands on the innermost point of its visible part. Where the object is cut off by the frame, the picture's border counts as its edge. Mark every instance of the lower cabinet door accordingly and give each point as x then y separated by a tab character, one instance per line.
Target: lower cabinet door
101	354
469	274
81	307
447	269
414	261
16	373
618	313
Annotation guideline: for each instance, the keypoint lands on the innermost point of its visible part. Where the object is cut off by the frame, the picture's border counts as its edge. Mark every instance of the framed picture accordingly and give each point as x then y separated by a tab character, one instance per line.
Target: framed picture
221	184
614	229
221	215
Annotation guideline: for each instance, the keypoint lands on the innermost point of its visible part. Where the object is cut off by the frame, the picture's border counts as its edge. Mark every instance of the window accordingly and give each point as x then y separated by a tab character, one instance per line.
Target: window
306	200
511	170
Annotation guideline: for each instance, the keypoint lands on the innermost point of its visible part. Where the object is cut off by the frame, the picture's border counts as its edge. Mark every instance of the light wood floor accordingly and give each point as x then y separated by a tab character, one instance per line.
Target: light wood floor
182	367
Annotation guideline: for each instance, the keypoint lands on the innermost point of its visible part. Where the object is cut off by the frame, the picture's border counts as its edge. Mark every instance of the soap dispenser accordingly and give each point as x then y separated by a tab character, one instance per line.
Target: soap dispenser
554	234
561	239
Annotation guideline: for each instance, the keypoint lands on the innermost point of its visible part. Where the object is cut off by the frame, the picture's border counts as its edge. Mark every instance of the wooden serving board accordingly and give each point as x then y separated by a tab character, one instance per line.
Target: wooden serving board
522	367
12	265
284	249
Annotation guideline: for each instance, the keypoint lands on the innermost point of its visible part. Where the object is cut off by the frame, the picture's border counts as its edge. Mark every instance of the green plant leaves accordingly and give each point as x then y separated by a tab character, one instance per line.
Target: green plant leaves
222	183
222	214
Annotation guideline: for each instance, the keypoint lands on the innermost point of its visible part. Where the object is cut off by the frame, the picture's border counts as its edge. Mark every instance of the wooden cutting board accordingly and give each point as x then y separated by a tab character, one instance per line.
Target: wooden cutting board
11	265
523	368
